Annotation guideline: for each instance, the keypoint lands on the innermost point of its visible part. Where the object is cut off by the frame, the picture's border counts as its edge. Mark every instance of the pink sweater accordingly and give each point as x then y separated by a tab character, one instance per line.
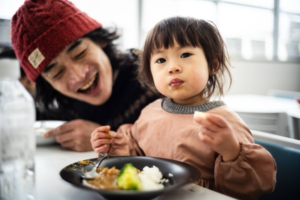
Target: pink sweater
163	134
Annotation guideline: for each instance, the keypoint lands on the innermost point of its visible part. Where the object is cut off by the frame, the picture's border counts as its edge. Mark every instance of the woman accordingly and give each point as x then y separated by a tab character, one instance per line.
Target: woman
80	75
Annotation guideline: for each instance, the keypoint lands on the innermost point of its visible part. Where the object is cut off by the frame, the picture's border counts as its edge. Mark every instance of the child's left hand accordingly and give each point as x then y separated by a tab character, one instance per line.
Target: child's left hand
217	134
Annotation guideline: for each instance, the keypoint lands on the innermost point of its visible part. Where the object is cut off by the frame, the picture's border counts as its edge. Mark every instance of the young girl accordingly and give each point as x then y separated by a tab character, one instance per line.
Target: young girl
186	61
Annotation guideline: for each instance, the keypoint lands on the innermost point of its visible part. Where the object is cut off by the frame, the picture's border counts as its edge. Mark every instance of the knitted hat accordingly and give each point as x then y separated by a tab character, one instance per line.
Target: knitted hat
40	29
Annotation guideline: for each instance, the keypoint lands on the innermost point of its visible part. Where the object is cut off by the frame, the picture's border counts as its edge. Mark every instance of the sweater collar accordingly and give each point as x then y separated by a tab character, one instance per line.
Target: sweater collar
169	106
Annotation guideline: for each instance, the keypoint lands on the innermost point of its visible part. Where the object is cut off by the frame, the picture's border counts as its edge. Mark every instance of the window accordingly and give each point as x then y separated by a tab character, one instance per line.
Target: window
289	30
267	30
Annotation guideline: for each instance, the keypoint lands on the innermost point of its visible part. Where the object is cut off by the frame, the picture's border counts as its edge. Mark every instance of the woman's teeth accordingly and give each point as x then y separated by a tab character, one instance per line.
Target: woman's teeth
88	84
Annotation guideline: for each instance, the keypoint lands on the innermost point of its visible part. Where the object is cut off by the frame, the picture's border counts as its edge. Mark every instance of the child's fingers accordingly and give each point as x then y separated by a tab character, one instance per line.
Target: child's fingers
210	120
219	121
200	118
100	135
103	148
100	142
205	138
103	129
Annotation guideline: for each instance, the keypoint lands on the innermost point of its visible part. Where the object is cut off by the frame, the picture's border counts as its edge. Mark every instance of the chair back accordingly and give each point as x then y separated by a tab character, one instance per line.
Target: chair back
288	171
275	123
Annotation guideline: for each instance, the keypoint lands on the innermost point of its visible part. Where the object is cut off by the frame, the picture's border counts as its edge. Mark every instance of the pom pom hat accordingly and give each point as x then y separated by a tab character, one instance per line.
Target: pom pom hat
40	29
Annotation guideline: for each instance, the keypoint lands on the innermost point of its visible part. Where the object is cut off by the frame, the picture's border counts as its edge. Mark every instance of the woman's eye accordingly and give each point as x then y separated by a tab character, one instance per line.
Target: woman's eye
161	60
57	75
81	54
185	55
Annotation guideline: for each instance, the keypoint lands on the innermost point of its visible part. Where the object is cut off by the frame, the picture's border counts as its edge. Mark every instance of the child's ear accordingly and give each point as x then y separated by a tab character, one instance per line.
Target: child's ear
215	66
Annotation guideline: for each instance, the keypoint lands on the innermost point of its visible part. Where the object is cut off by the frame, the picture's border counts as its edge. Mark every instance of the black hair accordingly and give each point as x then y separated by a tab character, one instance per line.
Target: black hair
188	31
52	101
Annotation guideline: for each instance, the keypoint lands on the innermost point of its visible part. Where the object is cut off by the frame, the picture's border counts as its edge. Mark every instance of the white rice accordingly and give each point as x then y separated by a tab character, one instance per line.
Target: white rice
151	178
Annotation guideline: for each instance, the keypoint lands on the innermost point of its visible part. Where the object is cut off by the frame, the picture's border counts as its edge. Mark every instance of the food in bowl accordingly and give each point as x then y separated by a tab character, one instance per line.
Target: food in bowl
128	178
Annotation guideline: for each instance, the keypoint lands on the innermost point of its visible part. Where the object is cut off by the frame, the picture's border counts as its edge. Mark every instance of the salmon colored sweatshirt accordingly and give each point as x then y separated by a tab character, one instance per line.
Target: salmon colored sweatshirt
167	130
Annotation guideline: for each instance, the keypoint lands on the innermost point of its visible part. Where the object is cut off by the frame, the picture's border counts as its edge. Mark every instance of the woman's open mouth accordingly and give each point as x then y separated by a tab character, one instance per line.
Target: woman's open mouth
90	86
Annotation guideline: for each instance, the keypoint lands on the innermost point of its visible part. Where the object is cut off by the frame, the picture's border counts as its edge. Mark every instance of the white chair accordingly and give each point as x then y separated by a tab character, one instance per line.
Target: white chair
275	123
293	122
277	139
294	126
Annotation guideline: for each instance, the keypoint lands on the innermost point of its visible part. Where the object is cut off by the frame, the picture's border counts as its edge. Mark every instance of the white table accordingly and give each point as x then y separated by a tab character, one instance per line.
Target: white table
265	113
49	160
261	104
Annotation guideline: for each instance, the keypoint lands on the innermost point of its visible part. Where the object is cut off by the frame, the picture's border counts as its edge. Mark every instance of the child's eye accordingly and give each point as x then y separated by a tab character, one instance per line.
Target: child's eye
185	55
161	60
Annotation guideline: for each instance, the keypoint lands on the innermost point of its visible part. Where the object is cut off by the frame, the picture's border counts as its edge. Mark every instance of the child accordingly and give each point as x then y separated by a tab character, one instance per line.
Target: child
185	59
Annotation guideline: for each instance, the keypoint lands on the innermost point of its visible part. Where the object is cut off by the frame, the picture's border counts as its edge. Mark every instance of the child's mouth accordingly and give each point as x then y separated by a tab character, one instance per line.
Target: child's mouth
176	82
90	86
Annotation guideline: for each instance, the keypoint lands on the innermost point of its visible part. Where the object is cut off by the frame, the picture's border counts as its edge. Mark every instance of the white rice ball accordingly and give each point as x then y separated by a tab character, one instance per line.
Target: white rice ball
151	178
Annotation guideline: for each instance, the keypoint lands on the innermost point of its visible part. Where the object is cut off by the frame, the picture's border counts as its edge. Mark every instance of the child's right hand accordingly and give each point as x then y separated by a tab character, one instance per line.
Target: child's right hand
101	139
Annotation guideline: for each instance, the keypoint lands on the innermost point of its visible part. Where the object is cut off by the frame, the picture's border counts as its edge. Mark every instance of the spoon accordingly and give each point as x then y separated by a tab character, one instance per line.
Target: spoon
93	174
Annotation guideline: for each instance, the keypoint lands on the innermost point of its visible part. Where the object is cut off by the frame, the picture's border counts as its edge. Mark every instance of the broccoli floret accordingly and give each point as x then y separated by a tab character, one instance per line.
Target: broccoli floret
128	178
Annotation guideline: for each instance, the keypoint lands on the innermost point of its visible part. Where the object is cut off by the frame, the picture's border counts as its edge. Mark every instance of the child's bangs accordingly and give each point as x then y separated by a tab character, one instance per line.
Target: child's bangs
165	37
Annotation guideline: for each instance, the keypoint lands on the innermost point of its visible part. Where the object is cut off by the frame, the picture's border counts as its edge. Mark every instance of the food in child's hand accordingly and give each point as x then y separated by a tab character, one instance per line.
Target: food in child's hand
199	114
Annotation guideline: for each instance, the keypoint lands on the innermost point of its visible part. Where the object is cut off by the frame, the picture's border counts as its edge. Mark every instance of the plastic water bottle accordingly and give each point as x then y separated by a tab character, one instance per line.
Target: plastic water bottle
17	139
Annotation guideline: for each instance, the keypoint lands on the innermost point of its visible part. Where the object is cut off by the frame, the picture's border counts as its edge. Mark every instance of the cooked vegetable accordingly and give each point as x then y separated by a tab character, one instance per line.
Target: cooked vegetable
85	162
128	178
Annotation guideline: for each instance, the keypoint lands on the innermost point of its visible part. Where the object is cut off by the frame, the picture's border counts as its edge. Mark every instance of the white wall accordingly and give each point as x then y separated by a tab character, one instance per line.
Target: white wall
259	77
248	77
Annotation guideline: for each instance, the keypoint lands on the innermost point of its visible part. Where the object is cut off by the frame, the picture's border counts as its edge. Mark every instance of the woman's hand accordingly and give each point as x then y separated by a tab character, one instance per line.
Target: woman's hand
217	134
75	134
101	139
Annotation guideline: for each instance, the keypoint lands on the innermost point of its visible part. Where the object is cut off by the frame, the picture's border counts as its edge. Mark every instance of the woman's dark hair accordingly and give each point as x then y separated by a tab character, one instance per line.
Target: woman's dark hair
56	103
188	31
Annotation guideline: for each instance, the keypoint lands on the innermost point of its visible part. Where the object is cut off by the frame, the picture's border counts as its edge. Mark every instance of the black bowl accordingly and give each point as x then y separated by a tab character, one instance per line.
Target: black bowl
182	174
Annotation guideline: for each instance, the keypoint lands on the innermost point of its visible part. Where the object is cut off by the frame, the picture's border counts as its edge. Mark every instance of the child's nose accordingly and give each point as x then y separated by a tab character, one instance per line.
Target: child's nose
174	68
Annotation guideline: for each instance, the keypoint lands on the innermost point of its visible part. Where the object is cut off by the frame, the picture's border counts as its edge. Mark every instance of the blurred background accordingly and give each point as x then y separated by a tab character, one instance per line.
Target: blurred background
262	37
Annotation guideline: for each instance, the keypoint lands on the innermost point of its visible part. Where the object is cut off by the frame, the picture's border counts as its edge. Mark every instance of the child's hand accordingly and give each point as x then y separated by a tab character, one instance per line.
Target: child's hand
217	134
101	139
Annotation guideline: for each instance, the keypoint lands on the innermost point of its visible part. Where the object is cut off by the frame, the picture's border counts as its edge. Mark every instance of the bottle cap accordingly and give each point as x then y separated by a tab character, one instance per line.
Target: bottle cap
9	68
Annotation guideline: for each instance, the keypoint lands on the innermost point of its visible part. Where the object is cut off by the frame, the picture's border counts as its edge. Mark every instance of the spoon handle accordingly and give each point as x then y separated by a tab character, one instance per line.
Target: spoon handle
101	156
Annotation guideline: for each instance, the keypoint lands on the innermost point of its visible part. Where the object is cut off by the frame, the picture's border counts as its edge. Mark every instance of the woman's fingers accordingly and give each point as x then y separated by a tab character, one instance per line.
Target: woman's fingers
69	144
65	137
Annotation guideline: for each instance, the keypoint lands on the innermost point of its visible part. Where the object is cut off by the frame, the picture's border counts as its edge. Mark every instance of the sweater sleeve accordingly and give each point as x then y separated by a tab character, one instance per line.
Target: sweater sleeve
249	176
123	142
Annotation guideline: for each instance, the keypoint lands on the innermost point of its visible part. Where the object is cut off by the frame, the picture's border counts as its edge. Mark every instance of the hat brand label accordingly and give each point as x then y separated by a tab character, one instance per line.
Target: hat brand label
35	58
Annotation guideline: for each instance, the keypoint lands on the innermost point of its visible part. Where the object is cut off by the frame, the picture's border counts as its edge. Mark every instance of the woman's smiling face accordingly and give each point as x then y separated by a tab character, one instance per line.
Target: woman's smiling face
81	71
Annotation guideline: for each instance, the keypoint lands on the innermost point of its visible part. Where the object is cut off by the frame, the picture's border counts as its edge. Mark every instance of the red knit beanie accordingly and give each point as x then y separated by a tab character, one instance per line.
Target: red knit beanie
40	29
